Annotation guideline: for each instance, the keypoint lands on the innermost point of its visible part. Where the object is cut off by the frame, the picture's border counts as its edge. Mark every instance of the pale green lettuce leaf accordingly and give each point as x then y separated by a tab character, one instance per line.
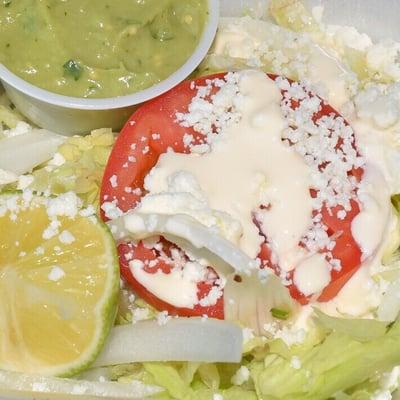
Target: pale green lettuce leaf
358	329
337	364
165	375
293	15
209	375
85	161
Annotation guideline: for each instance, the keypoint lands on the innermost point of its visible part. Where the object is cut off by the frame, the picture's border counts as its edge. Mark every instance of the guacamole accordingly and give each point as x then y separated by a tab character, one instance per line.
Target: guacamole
98	48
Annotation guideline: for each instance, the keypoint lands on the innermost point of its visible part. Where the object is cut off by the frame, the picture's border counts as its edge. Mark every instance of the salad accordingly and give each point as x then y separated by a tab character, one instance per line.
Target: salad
238	239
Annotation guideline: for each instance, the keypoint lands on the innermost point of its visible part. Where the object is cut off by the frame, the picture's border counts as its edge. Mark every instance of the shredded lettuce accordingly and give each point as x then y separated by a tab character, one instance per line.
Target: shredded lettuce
362	330
337	363
293	15
82	172
340	359
337	360
207	380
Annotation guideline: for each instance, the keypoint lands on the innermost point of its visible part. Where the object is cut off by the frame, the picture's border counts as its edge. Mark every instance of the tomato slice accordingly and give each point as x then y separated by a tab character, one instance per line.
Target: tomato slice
150	132
140	251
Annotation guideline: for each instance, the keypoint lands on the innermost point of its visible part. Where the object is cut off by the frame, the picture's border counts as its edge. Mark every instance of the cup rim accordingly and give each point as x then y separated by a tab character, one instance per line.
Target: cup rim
109	103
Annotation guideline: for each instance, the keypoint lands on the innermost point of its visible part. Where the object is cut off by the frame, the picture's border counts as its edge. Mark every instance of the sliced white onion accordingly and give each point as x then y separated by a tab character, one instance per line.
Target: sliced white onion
180	339
389	308
26	386
20	154
140	226
251	300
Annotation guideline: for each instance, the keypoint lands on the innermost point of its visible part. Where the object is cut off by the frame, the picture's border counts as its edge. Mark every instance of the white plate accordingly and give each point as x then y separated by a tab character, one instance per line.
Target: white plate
380	19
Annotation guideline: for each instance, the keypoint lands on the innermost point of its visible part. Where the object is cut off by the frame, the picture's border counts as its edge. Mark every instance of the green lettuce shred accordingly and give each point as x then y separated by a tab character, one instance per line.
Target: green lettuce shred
193	381
85	161
362	330
336	364
293	15
340	359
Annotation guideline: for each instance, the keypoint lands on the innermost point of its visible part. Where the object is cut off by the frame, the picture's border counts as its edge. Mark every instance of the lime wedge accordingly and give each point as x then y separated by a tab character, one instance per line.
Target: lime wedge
59	282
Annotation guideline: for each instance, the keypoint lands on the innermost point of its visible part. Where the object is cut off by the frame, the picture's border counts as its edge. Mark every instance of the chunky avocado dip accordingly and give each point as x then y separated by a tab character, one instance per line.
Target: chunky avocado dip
98	48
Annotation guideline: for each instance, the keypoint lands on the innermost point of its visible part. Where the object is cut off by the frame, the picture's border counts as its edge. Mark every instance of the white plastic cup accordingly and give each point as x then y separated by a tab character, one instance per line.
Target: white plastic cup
72	115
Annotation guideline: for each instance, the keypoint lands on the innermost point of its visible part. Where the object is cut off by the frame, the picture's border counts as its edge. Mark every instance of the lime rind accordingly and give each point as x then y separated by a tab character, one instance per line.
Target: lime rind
105	309
108	309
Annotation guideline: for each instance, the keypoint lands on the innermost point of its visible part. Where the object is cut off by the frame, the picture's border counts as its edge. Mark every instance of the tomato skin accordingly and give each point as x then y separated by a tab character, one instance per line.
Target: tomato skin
346	250
158	117
155	117
334	223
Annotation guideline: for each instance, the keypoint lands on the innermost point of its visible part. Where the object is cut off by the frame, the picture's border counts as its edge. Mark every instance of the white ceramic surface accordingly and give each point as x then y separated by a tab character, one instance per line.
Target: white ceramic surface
71	115
379	18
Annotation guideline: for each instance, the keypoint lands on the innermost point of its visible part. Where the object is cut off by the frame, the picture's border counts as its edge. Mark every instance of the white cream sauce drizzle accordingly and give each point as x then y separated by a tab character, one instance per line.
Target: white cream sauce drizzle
312	274
362	294
327	71
371	228
178	287
254	142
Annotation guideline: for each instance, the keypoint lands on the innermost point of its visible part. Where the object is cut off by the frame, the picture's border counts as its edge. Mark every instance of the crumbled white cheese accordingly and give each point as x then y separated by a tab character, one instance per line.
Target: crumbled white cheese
241	376
212	297
66	237
56	274
21	129
111	210
24	181
209	115
113	181
248	334
295	362
57	160
262	44
188	139
51	230
342	37
39	251
316	142
88	211
140	314
383	59
380	104
163	317
291	335
145	150
180	193
389	382
66	204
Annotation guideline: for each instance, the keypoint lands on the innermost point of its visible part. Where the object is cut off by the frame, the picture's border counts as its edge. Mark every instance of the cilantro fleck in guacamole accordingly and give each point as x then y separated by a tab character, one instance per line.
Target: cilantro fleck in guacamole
98	48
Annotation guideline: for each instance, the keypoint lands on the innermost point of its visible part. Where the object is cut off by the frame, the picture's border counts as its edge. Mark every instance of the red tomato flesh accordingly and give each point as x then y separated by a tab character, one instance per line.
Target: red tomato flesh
141	252
150	132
